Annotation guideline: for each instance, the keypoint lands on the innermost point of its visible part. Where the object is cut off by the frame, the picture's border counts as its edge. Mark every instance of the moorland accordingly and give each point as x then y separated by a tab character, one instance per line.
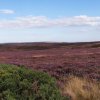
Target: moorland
59	60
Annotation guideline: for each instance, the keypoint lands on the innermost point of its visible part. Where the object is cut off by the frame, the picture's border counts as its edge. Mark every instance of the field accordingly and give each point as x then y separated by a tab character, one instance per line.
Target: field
76	66
58	59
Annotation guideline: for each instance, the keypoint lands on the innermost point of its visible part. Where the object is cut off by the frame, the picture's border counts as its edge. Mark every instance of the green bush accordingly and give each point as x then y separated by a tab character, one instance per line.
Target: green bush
19	83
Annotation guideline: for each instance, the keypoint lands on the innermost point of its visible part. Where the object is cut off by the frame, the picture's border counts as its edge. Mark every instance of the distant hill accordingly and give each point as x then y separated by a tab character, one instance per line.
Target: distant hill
46	45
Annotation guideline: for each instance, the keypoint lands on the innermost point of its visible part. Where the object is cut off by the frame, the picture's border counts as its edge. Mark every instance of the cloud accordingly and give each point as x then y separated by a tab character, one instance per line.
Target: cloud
43	21
6	11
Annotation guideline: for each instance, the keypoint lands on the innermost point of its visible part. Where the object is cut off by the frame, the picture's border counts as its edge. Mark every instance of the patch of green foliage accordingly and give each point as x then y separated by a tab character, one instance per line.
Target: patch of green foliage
19	83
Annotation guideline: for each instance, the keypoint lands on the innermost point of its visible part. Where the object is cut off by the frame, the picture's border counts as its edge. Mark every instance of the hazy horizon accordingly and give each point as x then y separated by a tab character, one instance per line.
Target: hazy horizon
49	21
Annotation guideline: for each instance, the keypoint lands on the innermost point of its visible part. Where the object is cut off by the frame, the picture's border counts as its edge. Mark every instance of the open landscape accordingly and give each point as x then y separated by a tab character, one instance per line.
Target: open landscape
50	50
58	59
66	62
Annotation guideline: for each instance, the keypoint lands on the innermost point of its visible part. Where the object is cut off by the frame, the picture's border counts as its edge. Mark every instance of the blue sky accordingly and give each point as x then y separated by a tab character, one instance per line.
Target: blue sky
49	20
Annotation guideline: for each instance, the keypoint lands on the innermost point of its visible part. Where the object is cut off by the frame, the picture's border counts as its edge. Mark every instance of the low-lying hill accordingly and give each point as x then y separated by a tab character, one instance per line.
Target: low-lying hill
42	45
58	59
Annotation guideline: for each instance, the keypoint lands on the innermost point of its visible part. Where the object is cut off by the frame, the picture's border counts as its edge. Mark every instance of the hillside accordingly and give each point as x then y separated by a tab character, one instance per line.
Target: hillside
58	59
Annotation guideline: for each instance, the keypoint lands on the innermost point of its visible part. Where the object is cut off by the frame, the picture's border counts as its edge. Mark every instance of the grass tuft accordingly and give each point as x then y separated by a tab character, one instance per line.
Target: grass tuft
82	89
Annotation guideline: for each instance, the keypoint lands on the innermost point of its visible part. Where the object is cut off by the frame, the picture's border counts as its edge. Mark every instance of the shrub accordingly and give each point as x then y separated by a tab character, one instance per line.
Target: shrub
19	83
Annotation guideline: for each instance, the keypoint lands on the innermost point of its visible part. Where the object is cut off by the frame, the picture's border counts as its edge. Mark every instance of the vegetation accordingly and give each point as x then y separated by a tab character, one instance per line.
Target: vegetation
19	83
82	89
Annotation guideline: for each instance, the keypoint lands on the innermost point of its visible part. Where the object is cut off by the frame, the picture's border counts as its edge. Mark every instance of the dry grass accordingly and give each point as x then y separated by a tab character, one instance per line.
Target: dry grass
82	89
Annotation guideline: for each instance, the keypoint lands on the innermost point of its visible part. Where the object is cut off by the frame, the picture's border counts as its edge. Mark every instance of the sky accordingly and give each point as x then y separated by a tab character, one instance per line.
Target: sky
49	21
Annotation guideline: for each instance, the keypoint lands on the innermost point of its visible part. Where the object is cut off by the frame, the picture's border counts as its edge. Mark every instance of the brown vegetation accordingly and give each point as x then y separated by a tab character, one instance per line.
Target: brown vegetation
82	89
58	59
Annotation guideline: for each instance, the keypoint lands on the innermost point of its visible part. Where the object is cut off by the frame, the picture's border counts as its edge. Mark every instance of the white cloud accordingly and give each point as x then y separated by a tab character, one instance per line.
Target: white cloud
6	11
43	21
